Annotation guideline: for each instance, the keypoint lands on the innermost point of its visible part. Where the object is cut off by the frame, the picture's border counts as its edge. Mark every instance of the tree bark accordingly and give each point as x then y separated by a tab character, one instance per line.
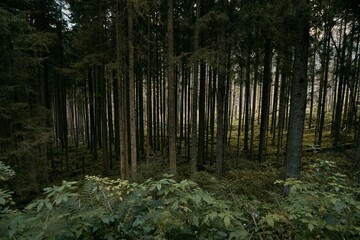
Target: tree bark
265	99
298	94
220	144
194	109
171	90
132	97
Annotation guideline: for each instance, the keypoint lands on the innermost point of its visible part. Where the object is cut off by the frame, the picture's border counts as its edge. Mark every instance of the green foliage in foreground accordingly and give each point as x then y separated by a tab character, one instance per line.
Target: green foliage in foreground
322	206
5	196
116	209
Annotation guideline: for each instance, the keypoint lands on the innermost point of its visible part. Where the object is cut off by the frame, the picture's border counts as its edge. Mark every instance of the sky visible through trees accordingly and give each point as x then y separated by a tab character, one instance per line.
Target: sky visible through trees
124	82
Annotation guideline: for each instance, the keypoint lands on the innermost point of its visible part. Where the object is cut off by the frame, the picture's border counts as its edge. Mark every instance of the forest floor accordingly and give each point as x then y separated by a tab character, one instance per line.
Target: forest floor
243	176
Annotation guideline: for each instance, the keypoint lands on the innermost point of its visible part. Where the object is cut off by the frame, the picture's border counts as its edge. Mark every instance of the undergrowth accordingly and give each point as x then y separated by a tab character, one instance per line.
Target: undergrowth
323	204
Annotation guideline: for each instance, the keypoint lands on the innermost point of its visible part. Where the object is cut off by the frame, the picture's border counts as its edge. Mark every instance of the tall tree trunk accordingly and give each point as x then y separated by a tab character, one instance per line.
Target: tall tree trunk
171	90
212	115
240	111
103	119
247	97
202	122
265	99
92	114
340	89
116	100
194	109
149	132
132	97
313	67
220	144
324	93
122	91
140	107
298	94
110	115
275	101
254	100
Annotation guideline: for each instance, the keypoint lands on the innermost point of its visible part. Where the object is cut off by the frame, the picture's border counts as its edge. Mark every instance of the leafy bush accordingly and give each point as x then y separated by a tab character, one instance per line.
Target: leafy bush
324	205
5	196
117	209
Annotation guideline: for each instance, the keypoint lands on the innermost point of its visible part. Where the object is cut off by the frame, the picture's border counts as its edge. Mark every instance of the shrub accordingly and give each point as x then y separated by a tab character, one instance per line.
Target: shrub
325	204
117	209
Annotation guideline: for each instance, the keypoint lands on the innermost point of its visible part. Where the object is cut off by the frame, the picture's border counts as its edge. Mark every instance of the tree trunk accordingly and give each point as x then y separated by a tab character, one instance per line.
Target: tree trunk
247	98
240	112
298	96
171	90
220	144
340	95
122	91
194	108
324	93
202	123
265	99
132	97
275	101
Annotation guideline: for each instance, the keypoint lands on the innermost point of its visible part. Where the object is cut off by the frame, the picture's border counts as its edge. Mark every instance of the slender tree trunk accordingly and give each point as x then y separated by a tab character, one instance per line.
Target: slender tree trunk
313	67
110	117
220	144
171	90
202	122
212	115
275	101
92	115
340	89
353	89
103	119
149	93
132	97
247	99
194	109
116	117
122	92
256	76
140	107
240	112
324	93
265	99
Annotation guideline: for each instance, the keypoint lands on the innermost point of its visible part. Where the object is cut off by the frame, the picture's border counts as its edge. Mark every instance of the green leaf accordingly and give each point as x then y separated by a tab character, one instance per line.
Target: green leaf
227	221
39	207
195	221
175	206
310	227
339	206
270	221
49	205
221	234
59	199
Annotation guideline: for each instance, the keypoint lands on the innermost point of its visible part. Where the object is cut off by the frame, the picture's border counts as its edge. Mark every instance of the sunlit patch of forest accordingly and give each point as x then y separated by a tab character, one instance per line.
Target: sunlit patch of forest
203	119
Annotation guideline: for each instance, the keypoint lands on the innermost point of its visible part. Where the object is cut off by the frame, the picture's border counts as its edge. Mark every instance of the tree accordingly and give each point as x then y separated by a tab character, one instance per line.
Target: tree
171	90
298	91
132	97
220	133
265	104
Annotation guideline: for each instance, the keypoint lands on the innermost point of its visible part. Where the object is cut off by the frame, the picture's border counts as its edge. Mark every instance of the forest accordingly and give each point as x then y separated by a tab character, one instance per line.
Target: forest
179	119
